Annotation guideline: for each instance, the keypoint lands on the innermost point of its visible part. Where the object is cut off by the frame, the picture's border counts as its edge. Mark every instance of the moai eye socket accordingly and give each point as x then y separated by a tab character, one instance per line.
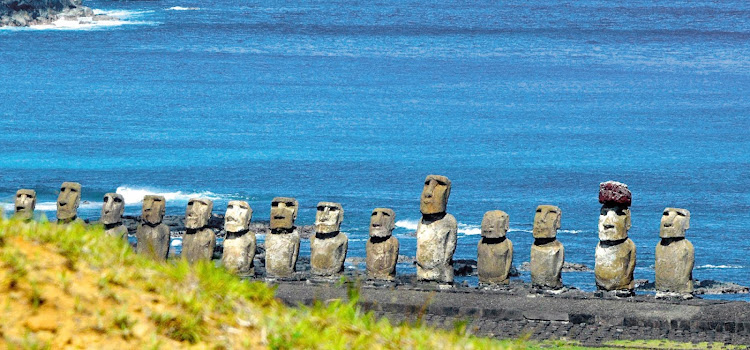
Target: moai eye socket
274	204
242	206
73	190
230	206
118	200
680	214
539	210
666	213
105	199
18	196
321	208
289	204
374	213
386	214
62	189
157	199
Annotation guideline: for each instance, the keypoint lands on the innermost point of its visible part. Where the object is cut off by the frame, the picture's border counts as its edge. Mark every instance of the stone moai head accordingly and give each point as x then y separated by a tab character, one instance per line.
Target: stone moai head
674	223
329	217
198	212
435	195
238	216
283	213
546	221
25	203
68	200
113	208
382	222
495	224
614	217
153	209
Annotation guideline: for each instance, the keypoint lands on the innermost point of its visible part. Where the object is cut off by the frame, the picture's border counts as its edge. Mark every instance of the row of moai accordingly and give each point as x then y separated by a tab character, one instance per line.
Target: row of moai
615	255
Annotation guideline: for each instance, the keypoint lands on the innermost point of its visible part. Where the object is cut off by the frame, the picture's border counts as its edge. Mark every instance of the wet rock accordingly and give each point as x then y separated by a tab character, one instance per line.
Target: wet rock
707	287
567	267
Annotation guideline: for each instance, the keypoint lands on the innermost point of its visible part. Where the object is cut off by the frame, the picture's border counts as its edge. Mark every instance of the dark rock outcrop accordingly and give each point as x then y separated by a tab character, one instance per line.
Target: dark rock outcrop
22	13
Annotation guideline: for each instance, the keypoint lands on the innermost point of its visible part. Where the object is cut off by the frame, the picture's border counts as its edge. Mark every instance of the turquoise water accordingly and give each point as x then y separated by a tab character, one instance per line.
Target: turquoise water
519	104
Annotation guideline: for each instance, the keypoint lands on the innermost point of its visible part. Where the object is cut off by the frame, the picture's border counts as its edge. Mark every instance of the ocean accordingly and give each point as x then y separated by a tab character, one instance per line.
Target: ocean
519	103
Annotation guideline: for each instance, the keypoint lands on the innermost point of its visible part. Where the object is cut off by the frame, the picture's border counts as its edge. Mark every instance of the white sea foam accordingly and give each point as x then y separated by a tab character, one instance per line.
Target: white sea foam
120	18
709	266
180	8
464	229
134	195
407	224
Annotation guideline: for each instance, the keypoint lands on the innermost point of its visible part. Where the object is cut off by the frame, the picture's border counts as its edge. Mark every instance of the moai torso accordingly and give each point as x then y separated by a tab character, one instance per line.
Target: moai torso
547	253
199	241
25	202
436	232
675	256
328	246
152	234
239	244
494	250
615	265
67	203
111	217
282	243
382	247
615	253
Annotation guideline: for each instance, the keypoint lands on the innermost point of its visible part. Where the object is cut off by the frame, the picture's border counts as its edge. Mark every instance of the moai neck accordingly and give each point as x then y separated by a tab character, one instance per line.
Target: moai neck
326	235
669	240
544	240
113	225
283	230
430	218
376	239
611	243
237	234
497	240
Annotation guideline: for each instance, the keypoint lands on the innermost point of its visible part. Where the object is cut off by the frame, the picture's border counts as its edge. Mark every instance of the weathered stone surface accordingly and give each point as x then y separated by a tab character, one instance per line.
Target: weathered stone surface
151	233
494	260
68	201
614	223
199	241
546	221
615	263
239	243
615	193
547	258
436	243
495	224
283	213
25	202
435	195
382	248
282	251
675	255
153	209
111	215
329	246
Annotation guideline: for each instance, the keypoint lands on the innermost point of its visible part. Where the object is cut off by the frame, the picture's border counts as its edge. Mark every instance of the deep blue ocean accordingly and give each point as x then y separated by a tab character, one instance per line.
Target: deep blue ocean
519	103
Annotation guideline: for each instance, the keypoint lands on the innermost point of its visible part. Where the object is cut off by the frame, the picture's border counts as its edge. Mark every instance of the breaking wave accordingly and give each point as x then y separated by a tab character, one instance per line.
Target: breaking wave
464	229
134	195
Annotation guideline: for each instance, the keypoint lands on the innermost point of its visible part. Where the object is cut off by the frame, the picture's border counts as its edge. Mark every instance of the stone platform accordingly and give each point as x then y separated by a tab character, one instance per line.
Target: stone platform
518	310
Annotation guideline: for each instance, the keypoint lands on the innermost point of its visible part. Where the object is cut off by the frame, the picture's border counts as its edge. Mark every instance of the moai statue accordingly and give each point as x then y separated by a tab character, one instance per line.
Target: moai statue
239	244
615	253
114	206
382	247
675	255
282	243
25	203
547	253
436	232
328	246
152	234
68	201
494	250
199	240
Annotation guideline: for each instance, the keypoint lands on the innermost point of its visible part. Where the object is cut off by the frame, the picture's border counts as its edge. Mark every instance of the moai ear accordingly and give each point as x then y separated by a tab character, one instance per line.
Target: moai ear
627	219
558	220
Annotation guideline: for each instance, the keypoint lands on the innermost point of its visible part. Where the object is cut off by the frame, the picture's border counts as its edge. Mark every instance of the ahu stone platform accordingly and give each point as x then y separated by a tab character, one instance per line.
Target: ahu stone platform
519	310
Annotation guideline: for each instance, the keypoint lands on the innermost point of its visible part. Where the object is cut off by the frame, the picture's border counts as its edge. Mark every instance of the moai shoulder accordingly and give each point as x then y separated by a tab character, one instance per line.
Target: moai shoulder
494	250
547	253
382	248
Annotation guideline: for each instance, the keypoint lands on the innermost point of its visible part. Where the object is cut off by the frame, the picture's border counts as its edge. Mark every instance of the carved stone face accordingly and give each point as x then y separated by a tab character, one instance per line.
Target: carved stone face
114	206
25	203
382	222
198	212
153	209
674	223
68	200
283	213
495	224
238	216
435	195
328	218
546	221
614	223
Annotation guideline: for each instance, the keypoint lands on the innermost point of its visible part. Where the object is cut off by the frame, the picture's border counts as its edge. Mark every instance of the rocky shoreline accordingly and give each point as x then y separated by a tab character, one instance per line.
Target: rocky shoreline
24	13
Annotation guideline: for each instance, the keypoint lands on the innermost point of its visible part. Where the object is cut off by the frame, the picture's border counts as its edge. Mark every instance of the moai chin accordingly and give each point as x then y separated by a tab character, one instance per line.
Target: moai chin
675	256
25	202
615	253
152	234
282	243
494	250
111	217
199	241
328	246
239	244
436	232
382	247
547	253
68	201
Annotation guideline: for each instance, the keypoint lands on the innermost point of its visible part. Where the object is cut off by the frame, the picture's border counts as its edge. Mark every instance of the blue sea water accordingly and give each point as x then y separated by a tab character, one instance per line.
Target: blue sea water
519	103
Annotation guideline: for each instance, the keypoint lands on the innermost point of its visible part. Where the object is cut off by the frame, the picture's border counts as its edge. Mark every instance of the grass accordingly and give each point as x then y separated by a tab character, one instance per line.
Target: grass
74	286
